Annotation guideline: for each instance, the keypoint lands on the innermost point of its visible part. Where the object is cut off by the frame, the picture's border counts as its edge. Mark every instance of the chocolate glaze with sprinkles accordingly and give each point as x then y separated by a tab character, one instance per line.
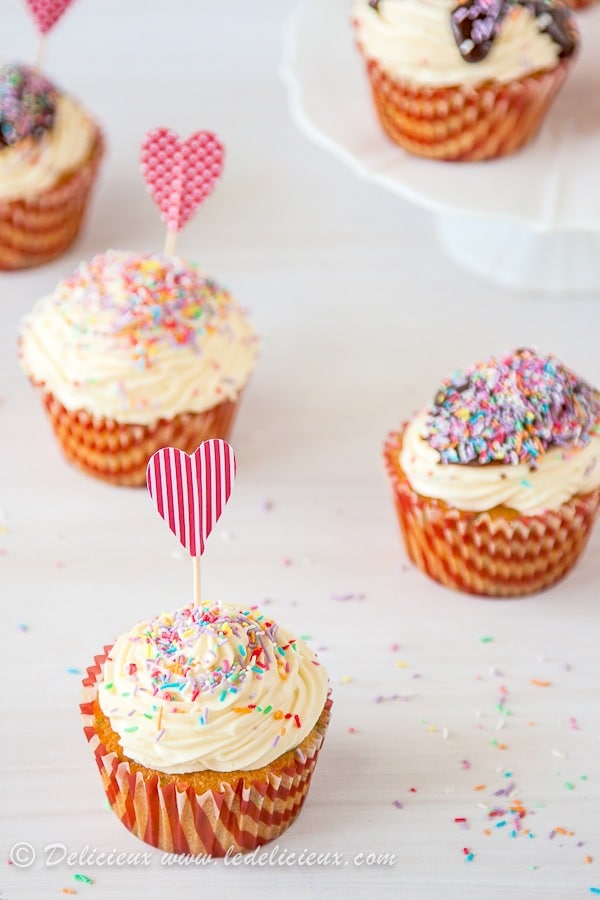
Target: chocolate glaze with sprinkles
27	104
511	410
476	23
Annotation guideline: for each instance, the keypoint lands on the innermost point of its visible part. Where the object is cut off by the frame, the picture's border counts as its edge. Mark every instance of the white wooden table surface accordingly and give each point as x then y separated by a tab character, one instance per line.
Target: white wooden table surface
436	705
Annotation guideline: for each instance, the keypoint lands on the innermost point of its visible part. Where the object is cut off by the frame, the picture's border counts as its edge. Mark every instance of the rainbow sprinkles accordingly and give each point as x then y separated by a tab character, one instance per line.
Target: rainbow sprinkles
511	410
141	300
229	672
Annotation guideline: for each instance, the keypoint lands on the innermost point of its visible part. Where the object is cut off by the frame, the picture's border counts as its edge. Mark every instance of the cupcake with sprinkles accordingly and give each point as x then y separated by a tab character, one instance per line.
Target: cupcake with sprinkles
132	352
50	154
136	351
464	81
496	483
206	724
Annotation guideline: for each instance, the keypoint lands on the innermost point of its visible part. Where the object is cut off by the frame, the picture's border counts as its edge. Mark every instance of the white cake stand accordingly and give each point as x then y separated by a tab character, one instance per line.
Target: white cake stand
531	220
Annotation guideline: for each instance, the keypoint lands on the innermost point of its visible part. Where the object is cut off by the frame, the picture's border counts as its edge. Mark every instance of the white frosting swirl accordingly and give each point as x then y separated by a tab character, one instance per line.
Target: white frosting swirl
217	688
137	338
412	40
34	164
560	475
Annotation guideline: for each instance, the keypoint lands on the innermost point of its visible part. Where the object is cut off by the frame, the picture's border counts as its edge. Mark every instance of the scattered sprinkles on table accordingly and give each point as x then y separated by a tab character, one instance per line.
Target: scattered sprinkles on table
511	410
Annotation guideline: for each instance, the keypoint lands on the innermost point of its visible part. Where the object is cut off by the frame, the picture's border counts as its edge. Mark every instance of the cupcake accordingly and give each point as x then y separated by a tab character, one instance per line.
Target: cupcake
50	151
206	725
134	352
496	483
464	82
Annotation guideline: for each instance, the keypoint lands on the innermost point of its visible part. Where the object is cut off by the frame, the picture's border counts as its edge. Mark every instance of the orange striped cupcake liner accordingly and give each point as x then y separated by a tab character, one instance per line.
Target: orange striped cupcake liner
498	553
37	231
118	452
245	812
464	123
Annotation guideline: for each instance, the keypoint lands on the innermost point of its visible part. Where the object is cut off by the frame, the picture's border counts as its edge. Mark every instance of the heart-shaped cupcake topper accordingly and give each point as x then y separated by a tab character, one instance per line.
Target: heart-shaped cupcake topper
180	174
45	14
190	493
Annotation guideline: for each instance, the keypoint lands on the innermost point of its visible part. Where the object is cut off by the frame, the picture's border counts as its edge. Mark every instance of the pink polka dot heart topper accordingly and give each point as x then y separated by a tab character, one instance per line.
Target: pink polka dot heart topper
180	174
190	493
46	13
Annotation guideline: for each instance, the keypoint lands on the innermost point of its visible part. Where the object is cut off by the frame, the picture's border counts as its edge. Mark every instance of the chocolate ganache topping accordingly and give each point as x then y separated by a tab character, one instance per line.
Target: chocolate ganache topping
475	24
511	410
27	104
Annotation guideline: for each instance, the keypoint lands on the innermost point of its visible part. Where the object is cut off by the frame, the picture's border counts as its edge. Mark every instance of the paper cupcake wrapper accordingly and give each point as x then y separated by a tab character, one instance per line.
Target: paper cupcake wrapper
175	818
464	123
118	452
497	553
36	231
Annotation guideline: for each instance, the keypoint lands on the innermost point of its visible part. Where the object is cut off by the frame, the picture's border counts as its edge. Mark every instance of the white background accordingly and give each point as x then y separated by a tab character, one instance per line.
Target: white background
360	316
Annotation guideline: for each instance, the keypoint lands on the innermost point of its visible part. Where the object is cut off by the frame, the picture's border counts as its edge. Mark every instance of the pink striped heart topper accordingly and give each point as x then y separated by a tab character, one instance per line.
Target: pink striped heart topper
190	492
180	174
46	13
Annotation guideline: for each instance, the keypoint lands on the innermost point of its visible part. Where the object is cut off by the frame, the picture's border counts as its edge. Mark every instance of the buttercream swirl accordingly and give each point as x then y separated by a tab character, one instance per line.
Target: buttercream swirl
413	41
520	431
560	474
212	687
137	338
35	163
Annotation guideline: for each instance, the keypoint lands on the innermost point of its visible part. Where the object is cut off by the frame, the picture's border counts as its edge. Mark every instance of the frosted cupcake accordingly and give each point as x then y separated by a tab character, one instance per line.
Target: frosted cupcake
134	352
50	151
497	482
464	82
206	725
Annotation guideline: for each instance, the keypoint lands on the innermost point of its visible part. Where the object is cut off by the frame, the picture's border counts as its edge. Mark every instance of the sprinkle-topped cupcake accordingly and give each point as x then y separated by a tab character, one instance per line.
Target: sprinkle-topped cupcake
135	351
464	81
50	151
497	482
216	716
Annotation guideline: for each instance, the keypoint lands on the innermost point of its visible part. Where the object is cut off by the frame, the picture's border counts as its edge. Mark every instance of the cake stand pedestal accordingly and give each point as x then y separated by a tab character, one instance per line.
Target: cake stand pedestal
515	255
